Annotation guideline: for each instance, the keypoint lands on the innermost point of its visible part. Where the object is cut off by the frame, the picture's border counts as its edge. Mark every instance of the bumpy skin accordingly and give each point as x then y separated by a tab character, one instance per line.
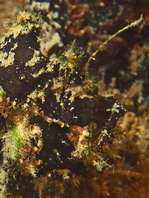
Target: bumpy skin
29	76
17	79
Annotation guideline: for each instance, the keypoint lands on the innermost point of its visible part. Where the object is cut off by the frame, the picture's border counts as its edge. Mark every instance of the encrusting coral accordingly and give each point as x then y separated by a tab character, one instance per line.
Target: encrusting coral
59	122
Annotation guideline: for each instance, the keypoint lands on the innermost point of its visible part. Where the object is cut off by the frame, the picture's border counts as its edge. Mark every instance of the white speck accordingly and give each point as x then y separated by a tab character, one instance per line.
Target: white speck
56	14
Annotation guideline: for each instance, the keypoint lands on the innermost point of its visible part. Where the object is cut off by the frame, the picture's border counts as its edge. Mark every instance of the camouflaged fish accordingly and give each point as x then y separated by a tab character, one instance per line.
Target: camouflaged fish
49	113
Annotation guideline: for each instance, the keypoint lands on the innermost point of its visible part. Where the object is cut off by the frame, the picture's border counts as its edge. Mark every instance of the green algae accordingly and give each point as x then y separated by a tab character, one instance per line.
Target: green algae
2	92
14	141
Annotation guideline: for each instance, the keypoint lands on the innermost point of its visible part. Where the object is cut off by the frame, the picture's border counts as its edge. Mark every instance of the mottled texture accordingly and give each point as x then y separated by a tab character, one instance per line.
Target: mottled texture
59	127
